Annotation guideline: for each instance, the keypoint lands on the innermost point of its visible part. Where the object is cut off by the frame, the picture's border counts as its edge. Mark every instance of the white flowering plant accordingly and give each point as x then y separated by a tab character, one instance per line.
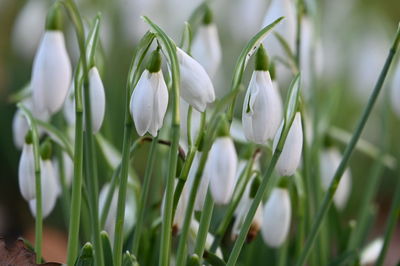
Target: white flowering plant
227	174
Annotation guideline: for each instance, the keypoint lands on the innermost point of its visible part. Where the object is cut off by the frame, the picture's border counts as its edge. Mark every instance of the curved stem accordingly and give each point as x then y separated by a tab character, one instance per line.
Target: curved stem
323	210
38	186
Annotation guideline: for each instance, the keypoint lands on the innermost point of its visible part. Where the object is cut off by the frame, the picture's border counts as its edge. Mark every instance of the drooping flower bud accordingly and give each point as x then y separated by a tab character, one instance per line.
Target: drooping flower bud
97	99
276	219
242	211
51	72
262	106
196	86
371	252
221	166
291	153
206	48
149	100
26	170
130	210
330	160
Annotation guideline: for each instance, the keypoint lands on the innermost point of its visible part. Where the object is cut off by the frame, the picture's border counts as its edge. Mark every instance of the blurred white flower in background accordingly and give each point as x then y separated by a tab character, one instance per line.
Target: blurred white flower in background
97	99
395	91
371	252
29	27
203	186
330	160
194	124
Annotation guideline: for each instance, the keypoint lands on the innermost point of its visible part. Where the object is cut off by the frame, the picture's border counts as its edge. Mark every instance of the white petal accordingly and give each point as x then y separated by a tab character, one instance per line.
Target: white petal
221	167
371	252
69	106
26	173
51	73
97	99
330	160
291	153
142	103
276	219
50	189
20	129
160	102
262	108
206	48
196	86
395	92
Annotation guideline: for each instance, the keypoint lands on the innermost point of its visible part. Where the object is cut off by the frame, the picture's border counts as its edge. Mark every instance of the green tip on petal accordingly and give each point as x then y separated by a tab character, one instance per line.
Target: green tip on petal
272	71
254	187
54	18
28	137
223	130
284	182
46	150
154	64
262	63
208	16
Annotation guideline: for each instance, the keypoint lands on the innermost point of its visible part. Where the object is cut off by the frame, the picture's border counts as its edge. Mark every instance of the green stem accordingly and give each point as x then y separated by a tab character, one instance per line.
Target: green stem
143	197
205	221
38	186
346	156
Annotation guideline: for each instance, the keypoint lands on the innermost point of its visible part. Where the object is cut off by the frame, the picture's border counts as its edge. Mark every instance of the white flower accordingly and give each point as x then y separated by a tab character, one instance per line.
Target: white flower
221	167
291	153
51	73
49	188
26	173
29	27
330	160
130	210
262	108
196	86
241	213
203	186
395	91
68	166
97	99
371	252
206	48
180	209
276	219
149	103
20	125
193	231
69	106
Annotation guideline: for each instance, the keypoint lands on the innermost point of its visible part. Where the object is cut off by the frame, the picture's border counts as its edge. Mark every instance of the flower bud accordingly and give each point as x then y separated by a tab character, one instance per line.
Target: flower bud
97	99
196	86
26	170
206	48
262	107
221	167
330	161
149	100
371	252
51	73
276	219
291	153
49	187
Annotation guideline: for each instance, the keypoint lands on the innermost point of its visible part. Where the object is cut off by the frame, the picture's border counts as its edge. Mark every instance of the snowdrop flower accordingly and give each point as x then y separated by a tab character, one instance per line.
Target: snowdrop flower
149	100
68	166
30	20
206	48
97	99
49	185
395	91
221	167
330	160
262	106
26	170
180	210
196	86
130	210
20	126
203	186
276	219
242	210
51	72
371	252
193	231
291	153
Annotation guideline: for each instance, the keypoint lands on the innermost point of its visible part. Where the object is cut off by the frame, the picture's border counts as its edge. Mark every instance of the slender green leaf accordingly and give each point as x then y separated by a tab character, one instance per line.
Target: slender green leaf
107	250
